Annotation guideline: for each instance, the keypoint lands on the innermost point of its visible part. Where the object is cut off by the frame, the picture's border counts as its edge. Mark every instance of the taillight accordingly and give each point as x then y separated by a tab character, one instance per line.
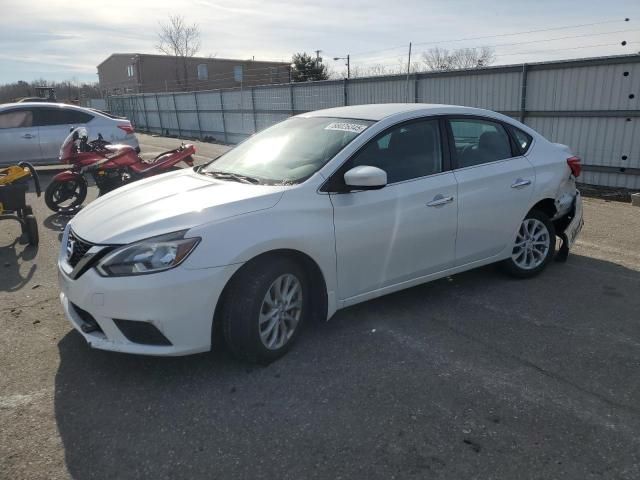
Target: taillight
575	165
126	127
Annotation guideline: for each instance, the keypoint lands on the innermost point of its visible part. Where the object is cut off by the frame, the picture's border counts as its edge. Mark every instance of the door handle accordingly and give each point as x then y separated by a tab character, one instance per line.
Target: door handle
439	200
27	135
519	183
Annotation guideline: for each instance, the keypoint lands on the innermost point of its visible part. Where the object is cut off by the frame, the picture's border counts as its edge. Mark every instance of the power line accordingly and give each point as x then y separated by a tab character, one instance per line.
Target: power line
566	27
533	41
566	48
568	37
390	64
439	42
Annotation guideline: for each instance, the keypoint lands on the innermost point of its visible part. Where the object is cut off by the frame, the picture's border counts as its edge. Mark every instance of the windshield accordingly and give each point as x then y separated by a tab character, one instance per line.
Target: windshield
289	152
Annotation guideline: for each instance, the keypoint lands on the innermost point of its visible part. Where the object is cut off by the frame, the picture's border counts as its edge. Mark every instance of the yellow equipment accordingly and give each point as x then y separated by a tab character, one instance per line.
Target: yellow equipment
13	205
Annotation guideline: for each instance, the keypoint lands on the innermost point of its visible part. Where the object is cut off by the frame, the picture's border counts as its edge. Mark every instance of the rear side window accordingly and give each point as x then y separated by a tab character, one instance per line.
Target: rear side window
523	139
479	141
16	119
58	116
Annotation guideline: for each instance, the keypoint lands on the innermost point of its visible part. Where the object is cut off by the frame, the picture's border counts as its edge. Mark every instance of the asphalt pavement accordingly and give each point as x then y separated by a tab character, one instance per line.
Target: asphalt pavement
151	145
473	376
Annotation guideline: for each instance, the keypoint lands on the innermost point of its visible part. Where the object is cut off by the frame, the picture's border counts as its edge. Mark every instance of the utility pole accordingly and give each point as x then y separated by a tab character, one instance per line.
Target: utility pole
348	59
318	56
408	71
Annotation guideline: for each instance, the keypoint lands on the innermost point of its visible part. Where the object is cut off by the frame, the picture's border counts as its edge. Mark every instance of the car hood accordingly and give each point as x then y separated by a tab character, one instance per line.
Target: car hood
168	203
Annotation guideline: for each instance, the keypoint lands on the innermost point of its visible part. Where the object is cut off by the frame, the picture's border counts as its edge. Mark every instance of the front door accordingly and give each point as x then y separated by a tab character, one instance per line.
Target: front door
405	230
18	137
494	188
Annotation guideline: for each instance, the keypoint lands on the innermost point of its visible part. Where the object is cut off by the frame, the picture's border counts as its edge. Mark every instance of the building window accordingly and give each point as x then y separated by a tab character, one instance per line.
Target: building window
237	73
203	72
129	70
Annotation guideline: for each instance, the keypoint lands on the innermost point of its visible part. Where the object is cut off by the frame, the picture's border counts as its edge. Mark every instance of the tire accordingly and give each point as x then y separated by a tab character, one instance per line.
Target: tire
534	246
246	311
59	192
31	227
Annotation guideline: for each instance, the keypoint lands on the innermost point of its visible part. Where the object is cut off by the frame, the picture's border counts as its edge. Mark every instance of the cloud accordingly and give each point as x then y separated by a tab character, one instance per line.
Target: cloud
65	38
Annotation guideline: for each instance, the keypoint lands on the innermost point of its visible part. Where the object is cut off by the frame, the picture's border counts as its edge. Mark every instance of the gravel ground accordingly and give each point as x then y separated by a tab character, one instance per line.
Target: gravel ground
473	376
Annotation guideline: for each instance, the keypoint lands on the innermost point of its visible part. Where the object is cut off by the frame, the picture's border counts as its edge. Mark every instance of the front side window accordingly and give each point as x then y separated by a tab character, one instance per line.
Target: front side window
203	72
479	141
289	152
407	151
16	119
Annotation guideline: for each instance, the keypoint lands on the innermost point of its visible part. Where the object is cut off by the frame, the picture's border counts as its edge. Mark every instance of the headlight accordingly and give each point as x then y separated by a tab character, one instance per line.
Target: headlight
152	255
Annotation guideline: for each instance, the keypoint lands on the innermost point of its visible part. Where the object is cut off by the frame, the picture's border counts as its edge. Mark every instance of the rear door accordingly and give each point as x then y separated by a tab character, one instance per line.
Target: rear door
495	185
19	141
54	124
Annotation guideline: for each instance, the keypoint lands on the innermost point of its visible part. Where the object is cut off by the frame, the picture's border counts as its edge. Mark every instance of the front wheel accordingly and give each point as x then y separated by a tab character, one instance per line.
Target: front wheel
534	246
66	195
264	309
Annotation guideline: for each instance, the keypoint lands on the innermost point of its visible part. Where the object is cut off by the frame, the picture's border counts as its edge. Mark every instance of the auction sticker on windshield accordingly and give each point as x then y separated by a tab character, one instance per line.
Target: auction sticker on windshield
346	127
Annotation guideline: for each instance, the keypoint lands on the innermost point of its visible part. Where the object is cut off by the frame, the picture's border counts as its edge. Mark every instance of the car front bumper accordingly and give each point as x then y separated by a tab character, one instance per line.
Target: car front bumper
177	304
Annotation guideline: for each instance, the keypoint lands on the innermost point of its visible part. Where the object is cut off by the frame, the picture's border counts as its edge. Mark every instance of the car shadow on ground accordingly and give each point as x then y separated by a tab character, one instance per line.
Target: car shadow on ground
58	221
208	415
11	257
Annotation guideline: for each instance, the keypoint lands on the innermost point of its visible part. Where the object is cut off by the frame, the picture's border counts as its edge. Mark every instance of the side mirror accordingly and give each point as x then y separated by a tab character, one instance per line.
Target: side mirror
365	177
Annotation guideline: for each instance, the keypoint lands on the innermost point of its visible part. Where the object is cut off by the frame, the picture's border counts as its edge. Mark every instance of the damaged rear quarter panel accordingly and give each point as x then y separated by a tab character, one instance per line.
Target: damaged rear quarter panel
553	177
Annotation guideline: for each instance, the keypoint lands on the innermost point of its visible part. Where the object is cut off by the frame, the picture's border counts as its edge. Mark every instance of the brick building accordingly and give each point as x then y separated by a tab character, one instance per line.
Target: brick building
148	73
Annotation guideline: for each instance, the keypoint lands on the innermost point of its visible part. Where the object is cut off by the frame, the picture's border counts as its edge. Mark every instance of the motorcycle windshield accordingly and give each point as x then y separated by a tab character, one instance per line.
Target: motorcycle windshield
69	146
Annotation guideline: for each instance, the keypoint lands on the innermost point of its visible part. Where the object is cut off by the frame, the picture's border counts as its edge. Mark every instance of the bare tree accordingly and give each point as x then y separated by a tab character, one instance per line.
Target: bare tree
374	70
441	59
181	40
68	91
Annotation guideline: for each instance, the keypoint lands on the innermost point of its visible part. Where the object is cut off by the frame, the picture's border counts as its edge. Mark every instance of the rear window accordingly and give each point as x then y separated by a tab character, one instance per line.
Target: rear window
107	114
523	139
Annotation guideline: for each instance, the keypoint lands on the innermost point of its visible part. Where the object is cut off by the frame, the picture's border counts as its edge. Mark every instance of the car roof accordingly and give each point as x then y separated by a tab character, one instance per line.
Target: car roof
4	106
379	111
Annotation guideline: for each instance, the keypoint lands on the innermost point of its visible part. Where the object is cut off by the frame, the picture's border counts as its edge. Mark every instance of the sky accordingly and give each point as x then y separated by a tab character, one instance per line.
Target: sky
67	39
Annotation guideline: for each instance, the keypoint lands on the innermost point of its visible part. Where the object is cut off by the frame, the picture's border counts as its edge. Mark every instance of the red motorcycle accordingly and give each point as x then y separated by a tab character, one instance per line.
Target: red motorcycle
111	166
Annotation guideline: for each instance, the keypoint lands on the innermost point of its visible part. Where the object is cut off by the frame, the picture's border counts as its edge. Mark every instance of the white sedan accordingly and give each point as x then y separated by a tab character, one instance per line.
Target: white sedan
319	212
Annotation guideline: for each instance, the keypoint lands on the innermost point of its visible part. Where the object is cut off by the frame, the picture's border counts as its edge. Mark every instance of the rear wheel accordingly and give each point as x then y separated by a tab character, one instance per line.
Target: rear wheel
264	309
67	195
534	246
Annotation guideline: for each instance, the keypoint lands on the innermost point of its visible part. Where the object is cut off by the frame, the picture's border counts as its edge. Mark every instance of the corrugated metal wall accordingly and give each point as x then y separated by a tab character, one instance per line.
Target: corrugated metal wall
592	105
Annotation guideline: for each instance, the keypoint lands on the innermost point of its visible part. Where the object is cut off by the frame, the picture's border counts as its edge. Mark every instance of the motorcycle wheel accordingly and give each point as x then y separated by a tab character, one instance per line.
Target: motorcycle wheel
66	196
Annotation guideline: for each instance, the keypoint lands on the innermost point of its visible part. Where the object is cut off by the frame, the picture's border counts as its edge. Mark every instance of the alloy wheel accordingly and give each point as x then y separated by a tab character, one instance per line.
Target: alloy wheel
280	311
532	244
